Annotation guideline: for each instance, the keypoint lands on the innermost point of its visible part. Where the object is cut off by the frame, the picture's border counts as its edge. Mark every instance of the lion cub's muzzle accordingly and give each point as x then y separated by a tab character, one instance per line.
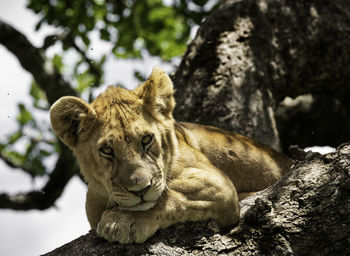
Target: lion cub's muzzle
140	189
140	197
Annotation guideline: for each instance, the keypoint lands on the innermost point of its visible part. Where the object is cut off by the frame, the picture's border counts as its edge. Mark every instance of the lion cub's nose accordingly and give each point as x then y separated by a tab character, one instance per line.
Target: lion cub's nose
139	189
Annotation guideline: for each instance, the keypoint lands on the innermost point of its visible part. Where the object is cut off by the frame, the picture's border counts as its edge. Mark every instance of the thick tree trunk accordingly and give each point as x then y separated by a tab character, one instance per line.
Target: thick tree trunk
306	213
249	55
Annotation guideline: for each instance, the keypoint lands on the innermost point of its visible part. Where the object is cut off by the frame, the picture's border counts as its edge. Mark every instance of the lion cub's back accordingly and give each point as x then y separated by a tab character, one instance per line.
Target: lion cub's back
250	165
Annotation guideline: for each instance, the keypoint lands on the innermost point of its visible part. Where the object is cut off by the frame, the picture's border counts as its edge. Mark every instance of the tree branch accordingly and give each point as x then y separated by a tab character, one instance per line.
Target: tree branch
307	212
64	170
33	60
14	165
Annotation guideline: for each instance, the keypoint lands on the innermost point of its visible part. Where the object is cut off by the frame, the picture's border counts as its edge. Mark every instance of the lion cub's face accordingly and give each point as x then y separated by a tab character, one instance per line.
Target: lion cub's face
123	141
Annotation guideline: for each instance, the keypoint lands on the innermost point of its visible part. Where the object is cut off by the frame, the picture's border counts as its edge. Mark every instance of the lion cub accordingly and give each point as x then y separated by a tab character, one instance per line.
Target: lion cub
146	172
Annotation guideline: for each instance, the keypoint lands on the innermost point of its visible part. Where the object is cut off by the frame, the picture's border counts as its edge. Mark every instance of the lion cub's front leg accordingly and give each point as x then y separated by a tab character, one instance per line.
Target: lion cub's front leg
127	227
195	195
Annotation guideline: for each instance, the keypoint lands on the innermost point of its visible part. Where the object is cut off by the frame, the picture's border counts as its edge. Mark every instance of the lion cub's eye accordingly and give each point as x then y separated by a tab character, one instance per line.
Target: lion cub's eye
107	152
147	141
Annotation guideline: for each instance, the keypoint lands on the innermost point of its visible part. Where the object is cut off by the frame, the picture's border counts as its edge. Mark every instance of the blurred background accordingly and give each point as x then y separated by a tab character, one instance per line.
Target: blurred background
54	48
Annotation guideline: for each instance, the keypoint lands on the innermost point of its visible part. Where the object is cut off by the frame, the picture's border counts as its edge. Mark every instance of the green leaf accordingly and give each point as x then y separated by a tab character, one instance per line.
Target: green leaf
104	34
58	62
38	25
15	137
15	157
38	95
139	76
24	115
85	39
44	152
102	60
85	80
37	165
57	148
30	149
35	91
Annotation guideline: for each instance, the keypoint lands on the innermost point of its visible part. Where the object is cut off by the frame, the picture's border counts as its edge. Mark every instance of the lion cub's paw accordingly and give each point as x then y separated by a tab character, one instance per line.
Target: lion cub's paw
125	228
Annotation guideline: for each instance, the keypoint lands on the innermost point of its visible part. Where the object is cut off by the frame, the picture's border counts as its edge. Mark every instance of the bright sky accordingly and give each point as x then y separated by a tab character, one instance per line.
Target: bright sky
35	232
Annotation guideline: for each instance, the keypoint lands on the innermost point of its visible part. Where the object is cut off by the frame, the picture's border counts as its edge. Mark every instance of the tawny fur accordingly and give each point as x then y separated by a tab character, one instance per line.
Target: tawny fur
145	171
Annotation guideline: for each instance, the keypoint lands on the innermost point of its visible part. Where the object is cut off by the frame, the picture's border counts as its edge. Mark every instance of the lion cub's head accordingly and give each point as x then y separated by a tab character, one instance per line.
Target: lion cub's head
123	141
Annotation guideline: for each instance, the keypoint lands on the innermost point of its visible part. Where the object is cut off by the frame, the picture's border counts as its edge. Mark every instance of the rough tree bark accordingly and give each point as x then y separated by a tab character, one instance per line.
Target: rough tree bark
245	59
249	55
306	213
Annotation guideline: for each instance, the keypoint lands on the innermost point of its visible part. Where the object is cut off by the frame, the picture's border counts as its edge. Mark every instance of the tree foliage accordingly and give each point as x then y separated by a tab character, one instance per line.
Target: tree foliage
129	25
131	28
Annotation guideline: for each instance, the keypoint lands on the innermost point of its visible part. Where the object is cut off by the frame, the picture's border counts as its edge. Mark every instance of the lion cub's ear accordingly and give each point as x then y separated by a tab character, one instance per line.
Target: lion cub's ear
157	93
70	118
